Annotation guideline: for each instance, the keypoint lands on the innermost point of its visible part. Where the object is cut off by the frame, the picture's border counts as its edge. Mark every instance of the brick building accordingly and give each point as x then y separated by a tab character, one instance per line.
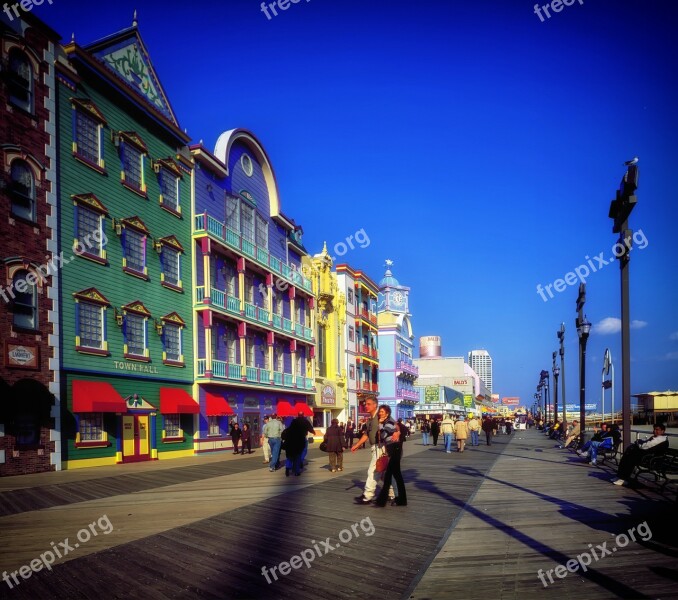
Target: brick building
29	399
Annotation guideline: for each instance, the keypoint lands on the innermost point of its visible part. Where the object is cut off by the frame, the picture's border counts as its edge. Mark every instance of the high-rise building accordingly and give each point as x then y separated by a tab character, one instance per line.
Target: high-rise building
481	362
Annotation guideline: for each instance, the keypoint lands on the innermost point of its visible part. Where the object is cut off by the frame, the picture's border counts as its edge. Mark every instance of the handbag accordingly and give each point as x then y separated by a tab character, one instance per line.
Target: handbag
323	446
382	463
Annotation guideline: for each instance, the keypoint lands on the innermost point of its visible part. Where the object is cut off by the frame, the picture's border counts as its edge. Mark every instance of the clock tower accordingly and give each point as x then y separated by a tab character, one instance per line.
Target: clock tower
392	297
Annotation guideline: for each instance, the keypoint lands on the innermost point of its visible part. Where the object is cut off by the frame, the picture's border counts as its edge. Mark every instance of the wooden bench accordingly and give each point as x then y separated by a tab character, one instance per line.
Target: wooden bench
612	454
663	467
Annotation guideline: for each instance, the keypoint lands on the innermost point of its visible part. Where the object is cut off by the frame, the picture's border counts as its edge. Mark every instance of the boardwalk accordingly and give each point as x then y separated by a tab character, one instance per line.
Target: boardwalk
486	520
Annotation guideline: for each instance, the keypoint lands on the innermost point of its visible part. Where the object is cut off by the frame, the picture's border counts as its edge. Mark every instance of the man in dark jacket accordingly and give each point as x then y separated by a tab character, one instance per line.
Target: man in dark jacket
295	443
435	431
487	427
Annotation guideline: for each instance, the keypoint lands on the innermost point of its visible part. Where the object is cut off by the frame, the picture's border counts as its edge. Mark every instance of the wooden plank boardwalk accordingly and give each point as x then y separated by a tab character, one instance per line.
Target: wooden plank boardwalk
204	527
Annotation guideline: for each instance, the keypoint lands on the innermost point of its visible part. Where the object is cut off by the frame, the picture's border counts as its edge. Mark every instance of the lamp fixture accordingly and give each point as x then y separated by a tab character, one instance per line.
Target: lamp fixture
158	326
119	316
117	225
157	244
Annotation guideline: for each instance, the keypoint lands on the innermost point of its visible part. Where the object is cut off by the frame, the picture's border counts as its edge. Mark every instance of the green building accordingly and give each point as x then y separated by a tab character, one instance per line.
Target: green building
126	349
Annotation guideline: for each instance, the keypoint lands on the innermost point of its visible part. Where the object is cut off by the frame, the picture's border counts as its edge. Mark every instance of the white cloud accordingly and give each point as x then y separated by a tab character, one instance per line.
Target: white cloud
611	325
607	326
674	336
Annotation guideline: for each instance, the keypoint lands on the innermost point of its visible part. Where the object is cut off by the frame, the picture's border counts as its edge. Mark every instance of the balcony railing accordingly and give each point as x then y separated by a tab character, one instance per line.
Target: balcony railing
219	299
232	372
407	394
206	223
407	368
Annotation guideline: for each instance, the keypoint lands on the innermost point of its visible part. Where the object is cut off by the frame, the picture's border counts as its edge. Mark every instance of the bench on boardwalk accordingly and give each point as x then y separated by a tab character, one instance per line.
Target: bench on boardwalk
663	467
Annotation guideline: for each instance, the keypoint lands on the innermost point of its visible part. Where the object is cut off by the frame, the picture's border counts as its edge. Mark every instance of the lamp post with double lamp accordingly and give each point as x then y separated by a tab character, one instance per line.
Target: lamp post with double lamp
556	372
537	407
561	336
620	209
583	330
547	396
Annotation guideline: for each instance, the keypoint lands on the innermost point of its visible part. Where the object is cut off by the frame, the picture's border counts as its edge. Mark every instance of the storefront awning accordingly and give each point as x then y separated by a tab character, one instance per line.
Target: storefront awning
303	407
217	406
285	409
176	400
96	396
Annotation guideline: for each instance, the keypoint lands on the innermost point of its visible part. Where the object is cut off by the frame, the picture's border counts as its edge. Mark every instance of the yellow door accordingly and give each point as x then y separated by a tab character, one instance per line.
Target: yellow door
128	445
144	442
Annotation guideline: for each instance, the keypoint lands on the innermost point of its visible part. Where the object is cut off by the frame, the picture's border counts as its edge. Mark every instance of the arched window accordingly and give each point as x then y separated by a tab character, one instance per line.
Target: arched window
25	305
20	80
22	190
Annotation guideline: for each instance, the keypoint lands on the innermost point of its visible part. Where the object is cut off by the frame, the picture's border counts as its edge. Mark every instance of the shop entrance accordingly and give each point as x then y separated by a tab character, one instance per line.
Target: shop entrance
135	438
252	419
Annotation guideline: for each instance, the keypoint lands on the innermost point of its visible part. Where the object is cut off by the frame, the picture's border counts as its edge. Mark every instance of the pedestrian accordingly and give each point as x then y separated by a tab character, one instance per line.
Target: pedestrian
295	438
349	434
435	431
461	433
371	436
425	431
394	449
335	446
236	434
404	431
447	427
474	429
246	438
273	431
633	455
487	428
264	442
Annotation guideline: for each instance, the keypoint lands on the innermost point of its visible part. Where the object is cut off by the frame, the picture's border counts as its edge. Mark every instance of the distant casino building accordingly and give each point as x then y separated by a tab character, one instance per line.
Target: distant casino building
29	327
481	362
430	346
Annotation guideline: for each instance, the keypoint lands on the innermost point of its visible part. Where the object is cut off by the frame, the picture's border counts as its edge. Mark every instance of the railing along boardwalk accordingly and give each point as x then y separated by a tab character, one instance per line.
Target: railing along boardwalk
206	530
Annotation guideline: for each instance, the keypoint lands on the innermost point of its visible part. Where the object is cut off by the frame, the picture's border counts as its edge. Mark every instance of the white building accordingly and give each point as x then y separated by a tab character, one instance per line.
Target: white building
481	362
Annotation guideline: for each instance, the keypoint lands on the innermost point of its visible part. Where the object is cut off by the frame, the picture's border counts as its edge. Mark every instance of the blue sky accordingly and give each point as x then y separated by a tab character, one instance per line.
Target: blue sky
477	146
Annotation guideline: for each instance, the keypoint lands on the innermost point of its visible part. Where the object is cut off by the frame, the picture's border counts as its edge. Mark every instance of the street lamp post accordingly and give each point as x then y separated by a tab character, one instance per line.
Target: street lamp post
556	372
583	330
620	209
561	337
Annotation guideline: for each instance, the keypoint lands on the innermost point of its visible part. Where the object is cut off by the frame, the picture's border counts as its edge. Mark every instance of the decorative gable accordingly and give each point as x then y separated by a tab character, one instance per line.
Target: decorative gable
168	164
172	242
129	60
86	105
174	318
131	137
136	223
91	201
92	295
137	307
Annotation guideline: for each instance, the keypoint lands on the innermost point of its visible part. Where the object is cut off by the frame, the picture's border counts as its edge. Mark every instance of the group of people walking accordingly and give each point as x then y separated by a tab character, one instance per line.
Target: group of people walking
457	430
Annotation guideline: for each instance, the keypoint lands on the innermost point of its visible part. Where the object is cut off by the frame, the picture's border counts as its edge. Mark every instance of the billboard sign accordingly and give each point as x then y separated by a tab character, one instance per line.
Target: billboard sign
511	401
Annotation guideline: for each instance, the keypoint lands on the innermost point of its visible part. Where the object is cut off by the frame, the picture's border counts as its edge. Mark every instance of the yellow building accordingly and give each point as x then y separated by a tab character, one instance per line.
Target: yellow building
330	401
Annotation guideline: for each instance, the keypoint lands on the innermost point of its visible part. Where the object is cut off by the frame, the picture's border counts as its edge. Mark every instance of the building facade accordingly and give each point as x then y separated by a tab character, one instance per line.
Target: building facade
397	371
29	327
254	306
125	240
481	362
362	342
331	398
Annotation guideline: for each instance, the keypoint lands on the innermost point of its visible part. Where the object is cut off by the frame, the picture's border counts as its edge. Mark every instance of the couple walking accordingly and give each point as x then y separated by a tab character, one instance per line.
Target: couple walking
382	432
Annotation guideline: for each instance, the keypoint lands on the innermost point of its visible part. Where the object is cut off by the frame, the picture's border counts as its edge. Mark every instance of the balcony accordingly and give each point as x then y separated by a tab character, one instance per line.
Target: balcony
407	367
372	353
223	371
221	300
407	394
204	223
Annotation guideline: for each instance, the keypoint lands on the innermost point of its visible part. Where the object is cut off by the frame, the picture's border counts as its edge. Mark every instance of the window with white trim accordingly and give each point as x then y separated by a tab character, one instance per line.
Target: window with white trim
169	188
25	302
20	80
88	231
134	250
171	266
22	190
172	340
136	336
261	232
91	427
173	425
247	222
213	426
90	325
133	167
88	138
233	214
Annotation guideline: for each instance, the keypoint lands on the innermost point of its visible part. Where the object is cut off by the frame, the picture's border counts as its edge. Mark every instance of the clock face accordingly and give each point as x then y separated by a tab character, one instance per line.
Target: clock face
398	298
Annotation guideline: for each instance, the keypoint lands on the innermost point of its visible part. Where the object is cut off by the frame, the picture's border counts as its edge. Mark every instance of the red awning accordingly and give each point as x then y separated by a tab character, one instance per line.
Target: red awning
96	396
285	409
217	406
175	400
303	407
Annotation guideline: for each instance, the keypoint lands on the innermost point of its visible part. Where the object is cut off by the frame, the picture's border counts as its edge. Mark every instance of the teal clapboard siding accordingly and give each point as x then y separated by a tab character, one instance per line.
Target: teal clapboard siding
120	288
